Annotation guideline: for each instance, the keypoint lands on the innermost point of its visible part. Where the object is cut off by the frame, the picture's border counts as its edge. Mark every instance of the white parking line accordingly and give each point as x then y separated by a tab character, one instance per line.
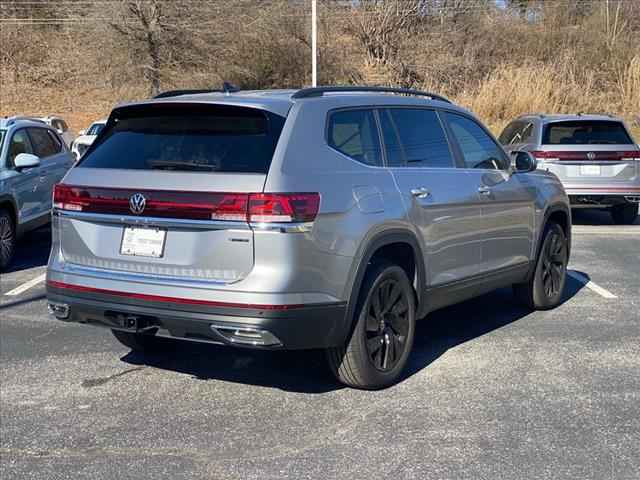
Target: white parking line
26	286
590	285
592	230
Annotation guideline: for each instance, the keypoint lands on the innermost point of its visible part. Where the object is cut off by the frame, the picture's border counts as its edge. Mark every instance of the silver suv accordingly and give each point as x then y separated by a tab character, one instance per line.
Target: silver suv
325	218
594	156
33	158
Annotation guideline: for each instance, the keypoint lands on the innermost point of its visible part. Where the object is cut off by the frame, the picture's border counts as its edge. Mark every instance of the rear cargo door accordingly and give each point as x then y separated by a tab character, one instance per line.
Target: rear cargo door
594	156
162	195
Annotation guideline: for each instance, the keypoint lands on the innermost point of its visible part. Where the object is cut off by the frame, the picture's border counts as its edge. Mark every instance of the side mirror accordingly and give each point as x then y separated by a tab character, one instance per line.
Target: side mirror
522	162
26	160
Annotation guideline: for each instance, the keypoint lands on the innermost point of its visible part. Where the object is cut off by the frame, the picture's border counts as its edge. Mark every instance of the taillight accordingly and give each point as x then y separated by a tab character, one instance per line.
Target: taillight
64	198
232	207
283	207
550	155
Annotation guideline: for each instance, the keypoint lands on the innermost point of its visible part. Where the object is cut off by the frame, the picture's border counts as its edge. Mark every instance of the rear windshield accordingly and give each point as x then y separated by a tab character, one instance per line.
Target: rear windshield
188	138
595	132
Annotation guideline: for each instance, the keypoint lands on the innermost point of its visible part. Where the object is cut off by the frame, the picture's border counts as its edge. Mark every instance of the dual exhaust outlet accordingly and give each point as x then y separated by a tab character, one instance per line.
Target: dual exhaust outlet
248	336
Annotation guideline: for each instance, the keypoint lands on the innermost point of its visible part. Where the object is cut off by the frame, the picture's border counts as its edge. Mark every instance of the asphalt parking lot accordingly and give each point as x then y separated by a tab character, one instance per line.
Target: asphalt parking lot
493	391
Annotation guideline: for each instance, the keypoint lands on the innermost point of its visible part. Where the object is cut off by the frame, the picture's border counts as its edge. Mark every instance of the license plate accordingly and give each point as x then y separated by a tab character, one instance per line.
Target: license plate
143	242
590	170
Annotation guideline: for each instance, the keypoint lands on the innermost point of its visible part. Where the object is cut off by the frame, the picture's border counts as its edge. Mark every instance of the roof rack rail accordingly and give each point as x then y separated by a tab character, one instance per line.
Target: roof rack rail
176	93
226	88
320	91
15	118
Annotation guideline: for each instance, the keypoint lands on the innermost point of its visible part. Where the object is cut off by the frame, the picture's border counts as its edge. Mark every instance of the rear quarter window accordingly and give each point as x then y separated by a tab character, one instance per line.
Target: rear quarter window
354	133
583	132
214	138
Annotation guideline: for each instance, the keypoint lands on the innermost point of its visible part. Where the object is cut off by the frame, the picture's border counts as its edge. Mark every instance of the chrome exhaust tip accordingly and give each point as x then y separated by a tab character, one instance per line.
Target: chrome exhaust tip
255	337
58	310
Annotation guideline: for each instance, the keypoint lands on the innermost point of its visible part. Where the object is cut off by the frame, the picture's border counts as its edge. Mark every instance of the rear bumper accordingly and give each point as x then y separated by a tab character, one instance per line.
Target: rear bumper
602	196
296	327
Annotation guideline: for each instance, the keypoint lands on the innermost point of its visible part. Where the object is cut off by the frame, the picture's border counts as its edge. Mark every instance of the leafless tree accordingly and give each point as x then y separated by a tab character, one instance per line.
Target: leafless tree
379	26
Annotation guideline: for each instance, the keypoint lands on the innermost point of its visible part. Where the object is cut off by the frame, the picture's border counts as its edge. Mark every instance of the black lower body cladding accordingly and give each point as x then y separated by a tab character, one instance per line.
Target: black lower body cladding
304	327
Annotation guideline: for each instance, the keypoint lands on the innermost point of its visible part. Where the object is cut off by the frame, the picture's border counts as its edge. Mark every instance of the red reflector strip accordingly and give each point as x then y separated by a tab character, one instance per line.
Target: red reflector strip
163	299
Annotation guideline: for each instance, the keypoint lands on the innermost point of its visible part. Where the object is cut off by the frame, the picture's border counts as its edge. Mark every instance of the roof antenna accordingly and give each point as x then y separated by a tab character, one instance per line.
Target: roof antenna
228	88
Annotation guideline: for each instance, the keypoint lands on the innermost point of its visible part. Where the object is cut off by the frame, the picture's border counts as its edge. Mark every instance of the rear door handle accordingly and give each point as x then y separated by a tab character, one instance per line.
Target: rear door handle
420	192
484	191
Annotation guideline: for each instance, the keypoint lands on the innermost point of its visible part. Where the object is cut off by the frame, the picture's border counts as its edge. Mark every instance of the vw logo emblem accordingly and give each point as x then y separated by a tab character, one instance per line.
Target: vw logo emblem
137	202
591	155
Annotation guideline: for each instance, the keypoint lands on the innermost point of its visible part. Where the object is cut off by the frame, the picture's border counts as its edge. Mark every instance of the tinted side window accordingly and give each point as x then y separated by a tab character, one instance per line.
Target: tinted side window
478	149
422	138
355	134
56	141
517	132
20	143
392	147
509	133
43	144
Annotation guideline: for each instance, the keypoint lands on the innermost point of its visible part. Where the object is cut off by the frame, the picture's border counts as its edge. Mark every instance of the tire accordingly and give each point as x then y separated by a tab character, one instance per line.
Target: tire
624	214
377	351
137	342
544	288
7	239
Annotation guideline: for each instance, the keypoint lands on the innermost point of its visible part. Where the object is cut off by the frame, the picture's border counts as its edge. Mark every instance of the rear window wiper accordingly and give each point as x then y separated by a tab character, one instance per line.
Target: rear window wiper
176	165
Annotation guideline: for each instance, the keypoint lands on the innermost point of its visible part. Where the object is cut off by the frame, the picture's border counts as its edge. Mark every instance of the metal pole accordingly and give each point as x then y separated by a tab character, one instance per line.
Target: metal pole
314	44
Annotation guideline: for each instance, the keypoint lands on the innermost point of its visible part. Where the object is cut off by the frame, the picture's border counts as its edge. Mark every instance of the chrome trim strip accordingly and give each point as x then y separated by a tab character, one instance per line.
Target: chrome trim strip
153	221
108	274
283	227
182	223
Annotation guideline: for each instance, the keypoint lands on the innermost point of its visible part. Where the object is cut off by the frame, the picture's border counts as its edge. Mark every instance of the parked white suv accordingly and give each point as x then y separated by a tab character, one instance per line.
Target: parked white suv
86	138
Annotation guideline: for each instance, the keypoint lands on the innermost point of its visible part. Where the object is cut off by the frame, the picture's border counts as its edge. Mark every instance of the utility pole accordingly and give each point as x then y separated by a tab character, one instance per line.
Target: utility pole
314	44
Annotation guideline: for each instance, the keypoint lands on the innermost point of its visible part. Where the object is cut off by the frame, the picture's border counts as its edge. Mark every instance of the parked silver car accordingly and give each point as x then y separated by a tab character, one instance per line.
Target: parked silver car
320	218
593	155
33	158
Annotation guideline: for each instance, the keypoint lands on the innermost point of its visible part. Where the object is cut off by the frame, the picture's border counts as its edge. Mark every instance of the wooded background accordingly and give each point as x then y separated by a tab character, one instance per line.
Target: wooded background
499	58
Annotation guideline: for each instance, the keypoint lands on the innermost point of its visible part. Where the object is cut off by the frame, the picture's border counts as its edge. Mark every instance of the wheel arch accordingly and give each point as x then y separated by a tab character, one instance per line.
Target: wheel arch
383	244
561	214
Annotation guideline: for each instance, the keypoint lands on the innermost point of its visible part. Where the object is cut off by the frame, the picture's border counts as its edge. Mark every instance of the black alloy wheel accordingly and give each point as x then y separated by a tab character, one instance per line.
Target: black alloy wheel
554	264
7	239
387	324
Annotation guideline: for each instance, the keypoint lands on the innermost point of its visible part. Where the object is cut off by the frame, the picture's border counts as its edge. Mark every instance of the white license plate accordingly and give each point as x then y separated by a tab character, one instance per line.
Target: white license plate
590	170
143	242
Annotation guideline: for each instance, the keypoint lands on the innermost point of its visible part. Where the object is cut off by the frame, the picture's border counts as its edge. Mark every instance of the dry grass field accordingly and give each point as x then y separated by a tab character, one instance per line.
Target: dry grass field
79	59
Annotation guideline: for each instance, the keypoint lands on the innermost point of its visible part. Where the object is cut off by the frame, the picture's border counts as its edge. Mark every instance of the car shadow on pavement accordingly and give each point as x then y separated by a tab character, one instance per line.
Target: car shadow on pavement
455	325
32	250
21	301
306	371
594	217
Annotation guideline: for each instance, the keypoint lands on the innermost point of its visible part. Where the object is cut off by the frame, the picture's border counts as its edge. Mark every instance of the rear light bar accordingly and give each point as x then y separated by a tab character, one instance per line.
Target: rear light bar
597	156
234	207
